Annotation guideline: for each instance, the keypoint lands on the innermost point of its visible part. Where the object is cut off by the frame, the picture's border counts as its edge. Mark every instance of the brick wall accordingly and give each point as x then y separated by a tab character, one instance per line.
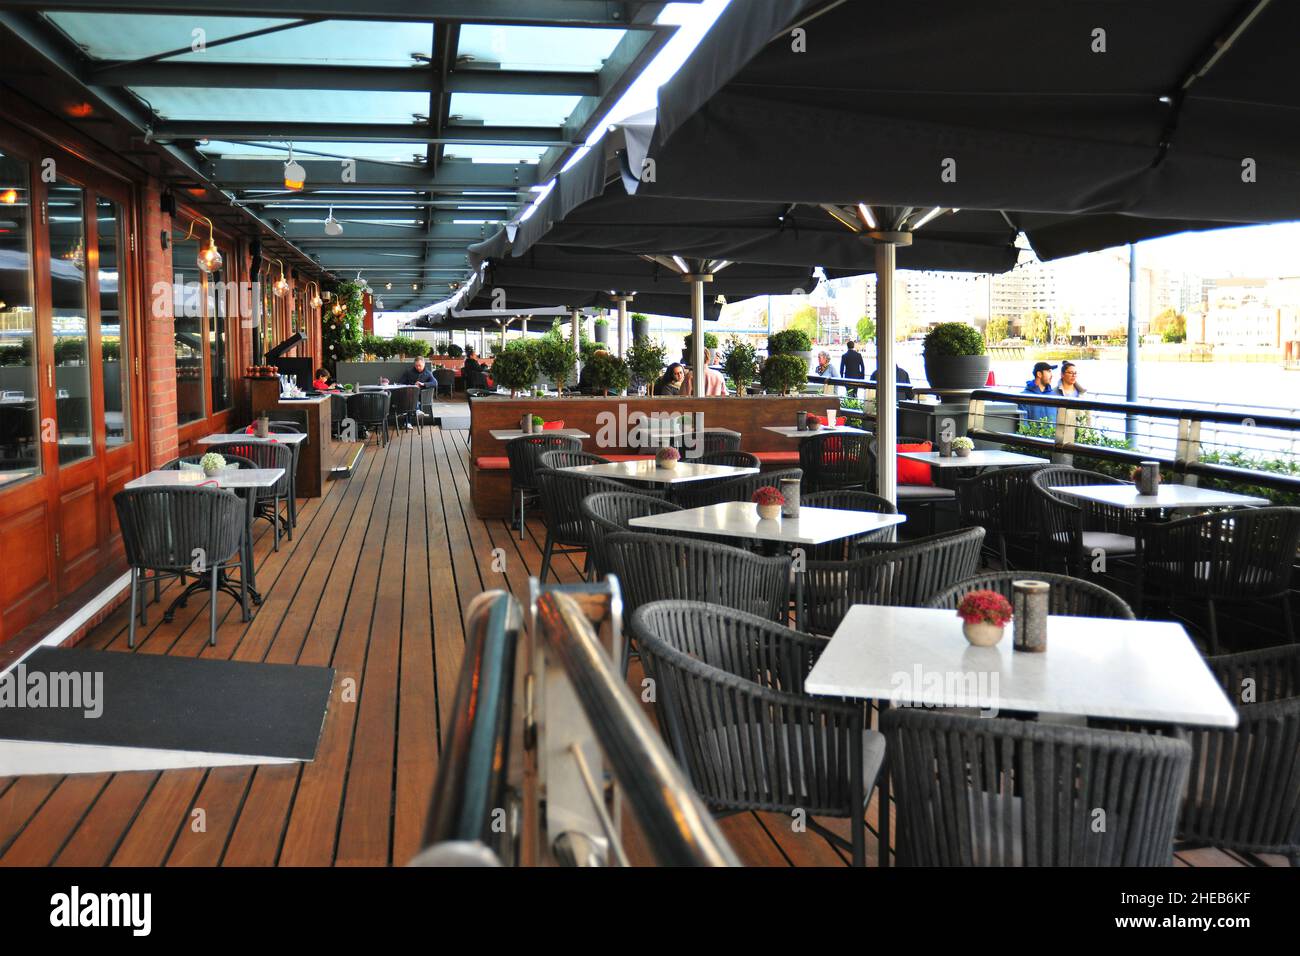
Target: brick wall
159	330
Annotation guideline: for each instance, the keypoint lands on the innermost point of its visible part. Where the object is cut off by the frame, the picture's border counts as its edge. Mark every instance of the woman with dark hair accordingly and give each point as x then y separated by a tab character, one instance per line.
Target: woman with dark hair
670	383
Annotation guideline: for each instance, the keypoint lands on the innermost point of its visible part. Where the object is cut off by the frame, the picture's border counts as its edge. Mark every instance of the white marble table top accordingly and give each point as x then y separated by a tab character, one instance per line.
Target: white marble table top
1167	496
505	434
978	458
648	470
1095	667
284	438
740	519
789	431
231	478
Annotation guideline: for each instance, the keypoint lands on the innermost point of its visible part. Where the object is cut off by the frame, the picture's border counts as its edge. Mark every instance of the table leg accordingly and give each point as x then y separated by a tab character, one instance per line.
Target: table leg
250	497
882	801
798	600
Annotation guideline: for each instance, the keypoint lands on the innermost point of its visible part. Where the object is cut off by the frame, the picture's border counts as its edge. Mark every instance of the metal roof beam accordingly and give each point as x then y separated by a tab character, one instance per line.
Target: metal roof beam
452	175
277	131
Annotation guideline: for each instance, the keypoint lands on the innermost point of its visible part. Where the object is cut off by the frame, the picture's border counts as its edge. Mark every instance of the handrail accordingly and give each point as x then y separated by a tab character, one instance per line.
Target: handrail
1152	410
679	829
469	795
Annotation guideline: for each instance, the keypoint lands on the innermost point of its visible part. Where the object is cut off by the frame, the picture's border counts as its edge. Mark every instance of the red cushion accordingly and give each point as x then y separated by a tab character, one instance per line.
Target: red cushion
492	463
777	457
822	421
914	472
552	426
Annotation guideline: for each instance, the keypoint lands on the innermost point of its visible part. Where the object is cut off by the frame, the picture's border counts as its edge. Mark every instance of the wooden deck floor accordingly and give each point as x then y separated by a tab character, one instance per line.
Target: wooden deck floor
375	584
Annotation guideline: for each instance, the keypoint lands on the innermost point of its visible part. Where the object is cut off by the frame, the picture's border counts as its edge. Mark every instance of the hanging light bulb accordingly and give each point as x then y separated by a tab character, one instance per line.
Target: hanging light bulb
209	260
337	307
332	226
294	175
9	197
281	285
388	286
379	303
362	282
316	301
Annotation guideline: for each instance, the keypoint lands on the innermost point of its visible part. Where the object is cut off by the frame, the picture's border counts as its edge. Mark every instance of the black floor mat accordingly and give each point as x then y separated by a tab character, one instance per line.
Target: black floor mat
168	703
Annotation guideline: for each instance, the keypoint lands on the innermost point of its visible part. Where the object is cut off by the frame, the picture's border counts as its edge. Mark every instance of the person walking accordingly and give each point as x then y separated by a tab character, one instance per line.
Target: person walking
1040	384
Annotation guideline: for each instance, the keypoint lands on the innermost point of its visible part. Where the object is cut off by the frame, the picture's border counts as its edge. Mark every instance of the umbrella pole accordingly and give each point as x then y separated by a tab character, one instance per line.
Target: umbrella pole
886	378
697	329
622	324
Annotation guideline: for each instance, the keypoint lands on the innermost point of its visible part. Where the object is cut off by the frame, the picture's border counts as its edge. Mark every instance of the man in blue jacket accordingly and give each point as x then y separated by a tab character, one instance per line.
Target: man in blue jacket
1040	384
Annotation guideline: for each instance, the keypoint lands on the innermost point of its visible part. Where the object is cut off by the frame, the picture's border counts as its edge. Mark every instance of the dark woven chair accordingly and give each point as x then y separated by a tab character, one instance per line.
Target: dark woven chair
732	459
731	489
847	499
163	529
716	441
1073	596
1002	502
1070	532
659	567
835	460
569	459
524	455
974	791
907	574
291	428
265	454
370	410
405	406
1242	555
338	412
566	526
1244	792
231	460
446	379
608	512
730	699
914	498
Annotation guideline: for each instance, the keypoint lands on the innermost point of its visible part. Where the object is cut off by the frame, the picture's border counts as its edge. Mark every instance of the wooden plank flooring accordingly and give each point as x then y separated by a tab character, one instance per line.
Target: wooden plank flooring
375	584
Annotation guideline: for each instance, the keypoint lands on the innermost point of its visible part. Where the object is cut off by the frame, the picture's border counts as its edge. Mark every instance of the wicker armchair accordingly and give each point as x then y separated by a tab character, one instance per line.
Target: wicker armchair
906	574
730	699
715	441
564	458
658	567
732	489
1073	596
370	410
524	454
836	460
566	525
1072	531
1244	792
608	512
974	791
291	428
1002	502
1242	555
404	406
164	529
265	454
846	499
733	459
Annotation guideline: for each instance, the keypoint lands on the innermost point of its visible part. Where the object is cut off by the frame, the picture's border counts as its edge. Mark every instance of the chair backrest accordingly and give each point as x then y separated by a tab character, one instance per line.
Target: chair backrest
404	400
658	567
907	574
286	428
608	512
717	441
730	697
732	489
1062	519
263	454
733	459
836	460
975	791
1073	596
562	493
238	461
164	528
1239	554
523	453
369	408
446	378
1000	500
846	499
564	458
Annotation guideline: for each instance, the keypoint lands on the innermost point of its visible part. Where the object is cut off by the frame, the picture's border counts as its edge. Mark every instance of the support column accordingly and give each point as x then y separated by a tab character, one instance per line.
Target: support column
624	334
1131	376
523	327
697	281
576	318
886	377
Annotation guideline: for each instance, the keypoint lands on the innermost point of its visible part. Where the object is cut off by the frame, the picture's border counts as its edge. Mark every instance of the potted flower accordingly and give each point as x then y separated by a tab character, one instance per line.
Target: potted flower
984	614
740	362
954	356
667	457
769	501
962	446
212	464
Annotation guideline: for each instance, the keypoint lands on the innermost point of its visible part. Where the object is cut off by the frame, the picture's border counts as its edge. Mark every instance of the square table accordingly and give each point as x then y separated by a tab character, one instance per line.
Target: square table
1167	496
1135	670
789	431
978	458
648	471
245	481
293	439
506	434
739	519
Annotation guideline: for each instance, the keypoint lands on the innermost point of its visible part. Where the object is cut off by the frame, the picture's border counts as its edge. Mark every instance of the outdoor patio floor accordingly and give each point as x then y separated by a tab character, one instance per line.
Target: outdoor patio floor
375	584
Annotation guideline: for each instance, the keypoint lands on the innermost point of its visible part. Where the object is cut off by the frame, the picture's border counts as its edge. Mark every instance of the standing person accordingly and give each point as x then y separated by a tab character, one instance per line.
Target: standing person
1040	384
851	364
714	381
1069	384
823	368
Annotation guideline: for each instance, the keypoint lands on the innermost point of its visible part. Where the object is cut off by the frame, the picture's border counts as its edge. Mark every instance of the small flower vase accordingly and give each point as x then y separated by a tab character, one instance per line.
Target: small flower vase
263	427
814	425
961	451
982	634
769	512
210	472
1148	479
790	489
665	461
945	447
801	421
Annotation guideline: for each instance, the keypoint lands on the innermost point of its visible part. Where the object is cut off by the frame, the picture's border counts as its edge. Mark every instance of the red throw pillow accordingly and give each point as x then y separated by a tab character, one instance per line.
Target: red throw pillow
914	472
552	426
822	421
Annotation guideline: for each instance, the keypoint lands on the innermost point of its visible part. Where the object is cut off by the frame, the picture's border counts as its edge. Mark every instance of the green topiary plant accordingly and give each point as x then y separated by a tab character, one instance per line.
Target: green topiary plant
454	351
515	368
556	360
710	342
740	362
784	374
607	372
442	348
645	361
789	341
953	338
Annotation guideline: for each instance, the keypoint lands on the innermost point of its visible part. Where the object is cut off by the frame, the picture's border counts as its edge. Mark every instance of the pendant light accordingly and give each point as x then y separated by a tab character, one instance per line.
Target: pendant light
295	177
332	226
280	286
315	301
209	259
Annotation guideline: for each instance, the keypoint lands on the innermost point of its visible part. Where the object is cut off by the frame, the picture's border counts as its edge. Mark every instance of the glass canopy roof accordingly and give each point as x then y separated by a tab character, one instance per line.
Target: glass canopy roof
538	48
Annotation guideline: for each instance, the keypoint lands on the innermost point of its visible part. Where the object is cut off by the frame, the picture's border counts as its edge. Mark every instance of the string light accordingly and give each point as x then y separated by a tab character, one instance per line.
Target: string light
295	177
209	260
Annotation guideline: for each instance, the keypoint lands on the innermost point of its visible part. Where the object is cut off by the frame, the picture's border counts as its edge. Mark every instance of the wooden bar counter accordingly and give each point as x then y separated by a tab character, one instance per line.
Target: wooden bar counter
609	420
313	457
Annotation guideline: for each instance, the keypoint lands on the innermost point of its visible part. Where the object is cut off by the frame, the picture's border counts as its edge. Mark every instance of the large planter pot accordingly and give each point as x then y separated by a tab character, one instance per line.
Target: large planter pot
601	333
957	371
640	329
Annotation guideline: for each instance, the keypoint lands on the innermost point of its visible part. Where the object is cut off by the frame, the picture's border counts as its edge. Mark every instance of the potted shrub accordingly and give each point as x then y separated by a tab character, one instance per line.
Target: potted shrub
640	327
740	362
954	356
556	360
769	501
645	362
984	615
688	344
607	373
515	368
600	329
784	374
454	351
789	342
442	349
212	464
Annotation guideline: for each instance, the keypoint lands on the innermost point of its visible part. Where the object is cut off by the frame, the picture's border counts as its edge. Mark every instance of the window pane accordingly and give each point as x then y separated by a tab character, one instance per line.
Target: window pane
112	333
187	305
19	415
71	326
217	326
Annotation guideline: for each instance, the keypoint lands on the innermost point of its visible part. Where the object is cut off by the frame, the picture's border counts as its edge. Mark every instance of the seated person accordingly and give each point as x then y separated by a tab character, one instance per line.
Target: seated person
418	375
671	382
321	381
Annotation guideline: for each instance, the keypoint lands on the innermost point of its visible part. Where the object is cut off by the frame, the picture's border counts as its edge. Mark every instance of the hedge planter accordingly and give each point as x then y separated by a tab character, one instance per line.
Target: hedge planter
957	371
